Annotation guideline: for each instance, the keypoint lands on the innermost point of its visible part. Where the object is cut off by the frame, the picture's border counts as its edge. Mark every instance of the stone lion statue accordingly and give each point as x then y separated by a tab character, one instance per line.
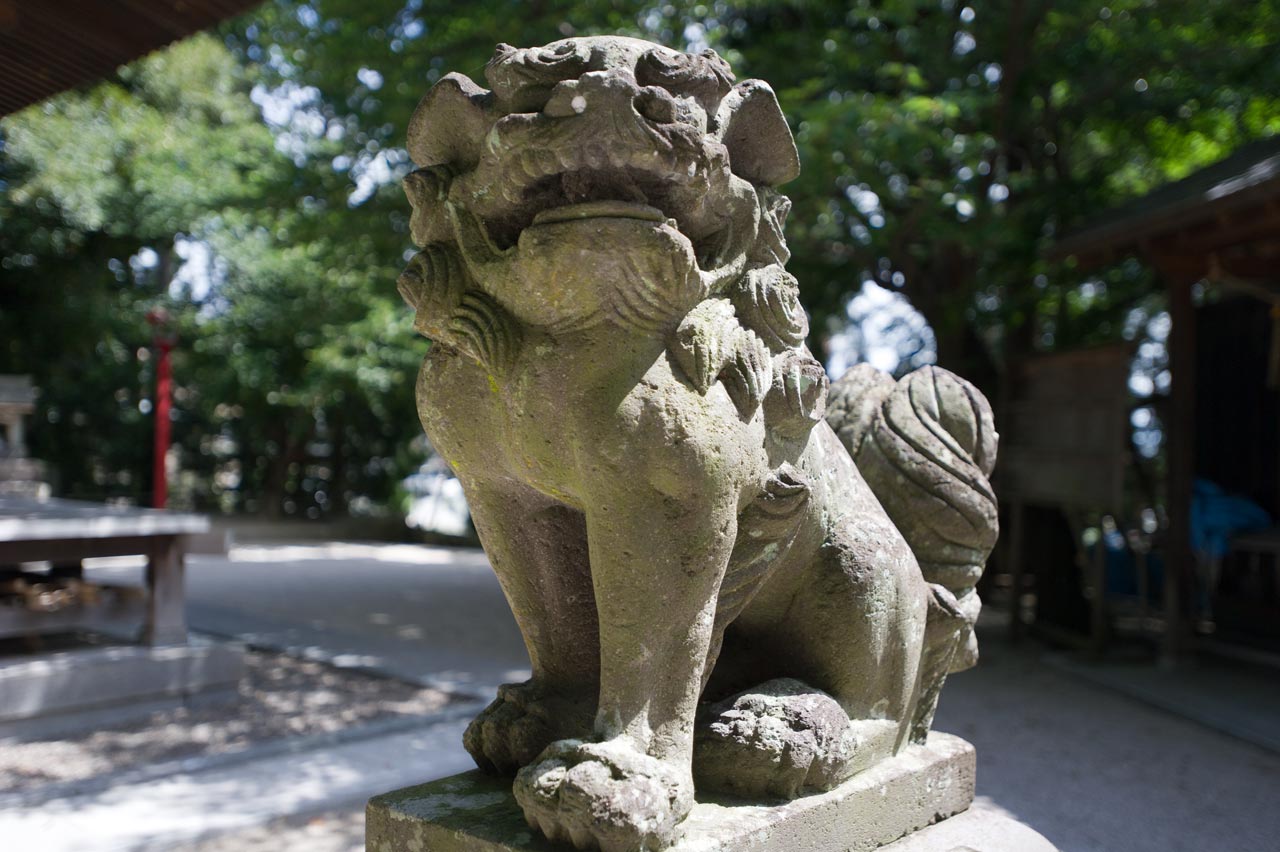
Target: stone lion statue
719	588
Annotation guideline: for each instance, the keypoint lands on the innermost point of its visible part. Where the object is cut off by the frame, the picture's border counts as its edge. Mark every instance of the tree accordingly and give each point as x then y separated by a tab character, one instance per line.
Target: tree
946	146
295	370
97	187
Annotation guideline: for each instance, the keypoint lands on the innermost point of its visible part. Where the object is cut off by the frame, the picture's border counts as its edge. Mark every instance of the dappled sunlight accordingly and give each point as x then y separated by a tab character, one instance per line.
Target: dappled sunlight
280	698
882	329
183	806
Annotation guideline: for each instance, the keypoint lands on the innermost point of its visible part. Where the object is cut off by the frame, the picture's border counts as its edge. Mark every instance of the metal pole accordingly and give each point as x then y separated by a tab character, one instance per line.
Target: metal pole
164	397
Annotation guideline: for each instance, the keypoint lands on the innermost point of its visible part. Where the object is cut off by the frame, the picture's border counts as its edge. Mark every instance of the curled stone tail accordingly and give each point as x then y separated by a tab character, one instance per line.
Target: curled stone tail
926	446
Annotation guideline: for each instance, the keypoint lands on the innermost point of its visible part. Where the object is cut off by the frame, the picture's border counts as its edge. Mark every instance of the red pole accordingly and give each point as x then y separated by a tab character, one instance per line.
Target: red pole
164	393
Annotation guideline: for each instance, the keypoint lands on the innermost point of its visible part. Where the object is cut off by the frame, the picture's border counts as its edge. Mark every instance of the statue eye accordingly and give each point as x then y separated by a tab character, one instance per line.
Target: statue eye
559	52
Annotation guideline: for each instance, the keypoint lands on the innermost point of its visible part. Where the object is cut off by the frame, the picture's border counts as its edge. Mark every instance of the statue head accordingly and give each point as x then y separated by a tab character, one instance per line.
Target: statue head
596	179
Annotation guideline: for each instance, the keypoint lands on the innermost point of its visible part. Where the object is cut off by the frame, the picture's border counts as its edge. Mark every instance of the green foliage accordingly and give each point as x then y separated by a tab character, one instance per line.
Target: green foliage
944	148
171	140
294	369
95	182
988	131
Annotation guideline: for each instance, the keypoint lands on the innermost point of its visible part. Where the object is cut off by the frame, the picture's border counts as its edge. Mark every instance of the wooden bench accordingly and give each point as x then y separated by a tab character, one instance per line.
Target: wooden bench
67	531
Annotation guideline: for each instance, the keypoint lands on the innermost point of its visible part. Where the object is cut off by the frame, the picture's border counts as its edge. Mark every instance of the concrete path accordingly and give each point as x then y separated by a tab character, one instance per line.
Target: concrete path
430	614
1095	771
1223	694
427	614
1088	768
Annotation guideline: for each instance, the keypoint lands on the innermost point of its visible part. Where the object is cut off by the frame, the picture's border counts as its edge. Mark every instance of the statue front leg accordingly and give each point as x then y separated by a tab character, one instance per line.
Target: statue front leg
538	550
657	561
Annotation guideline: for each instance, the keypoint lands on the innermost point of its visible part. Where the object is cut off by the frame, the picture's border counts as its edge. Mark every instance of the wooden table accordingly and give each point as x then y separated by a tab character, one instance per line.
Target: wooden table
68	531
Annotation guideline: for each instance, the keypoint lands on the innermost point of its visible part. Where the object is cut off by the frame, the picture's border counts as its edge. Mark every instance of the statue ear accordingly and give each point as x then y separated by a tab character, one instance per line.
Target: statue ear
450	124
750	124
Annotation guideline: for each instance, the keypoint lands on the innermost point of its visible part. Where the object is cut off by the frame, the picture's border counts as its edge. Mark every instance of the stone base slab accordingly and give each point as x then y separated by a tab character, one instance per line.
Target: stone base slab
42	692
473	812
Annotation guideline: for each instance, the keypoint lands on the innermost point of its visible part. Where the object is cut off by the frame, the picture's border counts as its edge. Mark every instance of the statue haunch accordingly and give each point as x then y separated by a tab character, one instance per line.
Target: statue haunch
717	586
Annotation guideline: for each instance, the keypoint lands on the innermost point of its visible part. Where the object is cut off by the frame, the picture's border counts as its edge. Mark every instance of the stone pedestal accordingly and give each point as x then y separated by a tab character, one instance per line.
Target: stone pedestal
473	812
69	690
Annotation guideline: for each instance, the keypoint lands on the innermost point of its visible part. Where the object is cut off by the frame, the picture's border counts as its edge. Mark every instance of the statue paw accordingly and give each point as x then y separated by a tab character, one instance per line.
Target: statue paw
783	738
608	796
521	722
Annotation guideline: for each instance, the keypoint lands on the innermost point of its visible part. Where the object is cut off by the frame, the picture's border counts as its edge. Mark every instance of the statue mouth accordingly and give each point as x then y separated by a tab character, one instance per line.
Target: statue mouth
696	200
533	163
615	188
606	209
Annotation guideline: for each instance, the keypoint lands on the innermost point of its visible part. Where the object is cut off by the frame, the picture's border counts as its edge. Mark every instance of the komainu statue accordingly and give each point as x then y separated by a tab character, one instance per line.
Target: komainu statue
729	575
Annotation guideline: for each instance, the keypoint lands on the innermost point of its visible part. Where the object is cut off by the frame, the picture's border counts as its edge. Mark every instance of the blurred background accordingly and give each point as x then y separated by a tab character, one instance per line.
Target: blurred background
967	199
1075	205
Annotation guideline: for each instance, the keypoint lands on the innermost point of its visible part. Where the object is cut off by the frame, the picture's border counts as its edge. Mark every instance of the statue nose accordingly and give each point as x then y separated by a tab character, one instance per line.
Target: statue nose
595	91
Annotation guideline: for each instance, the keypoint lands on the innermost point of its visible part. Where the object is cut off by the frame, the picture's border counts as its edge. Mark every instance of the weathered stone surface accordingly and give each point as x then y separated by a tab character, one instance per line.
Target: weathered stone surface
620	381
927	445
474	812
782	738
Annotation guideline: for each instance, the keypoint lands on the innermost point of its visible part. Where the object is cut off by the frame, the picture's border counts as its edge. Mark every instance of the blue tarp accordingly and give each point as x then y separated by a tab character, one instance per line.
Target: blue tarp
1217	515
1122	569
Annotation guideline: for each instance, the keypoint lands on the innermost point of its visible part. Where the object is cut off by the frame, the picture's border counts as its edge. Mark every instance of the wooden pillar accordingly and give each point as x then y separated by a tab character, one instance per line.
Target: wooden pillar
1099	613
17	438
166	604
1015	554
1180	433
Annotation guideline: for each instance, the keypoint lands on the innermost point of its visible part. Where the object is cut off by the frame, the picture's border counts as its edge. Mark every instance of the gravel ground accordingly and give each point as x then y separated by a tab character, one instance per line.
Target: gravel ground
1091	770
336	831
280	697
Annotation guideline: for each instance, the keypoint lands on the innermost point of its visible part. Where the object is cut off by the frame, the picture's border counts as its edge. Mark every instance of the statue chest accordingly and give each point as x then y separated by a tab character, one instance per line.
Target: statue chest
525	421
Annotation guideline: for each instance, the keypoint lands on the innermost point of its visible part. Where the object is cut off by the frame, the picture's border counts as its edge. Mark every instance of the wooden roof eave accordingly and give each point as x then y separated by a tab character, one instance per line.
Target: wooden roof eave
49	46
1234	201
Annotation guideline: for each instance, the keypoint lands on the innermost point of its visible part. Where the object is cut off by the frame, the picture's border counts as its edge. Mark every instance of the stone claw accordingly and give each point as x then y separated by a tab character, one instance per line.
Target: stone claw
608	796
782	739
519	724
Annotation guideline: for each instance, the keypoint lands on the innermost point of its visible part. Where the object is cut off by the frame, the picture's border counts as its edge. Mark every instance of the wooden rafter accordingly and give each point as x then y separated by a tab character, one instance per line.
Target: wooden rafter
48	46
